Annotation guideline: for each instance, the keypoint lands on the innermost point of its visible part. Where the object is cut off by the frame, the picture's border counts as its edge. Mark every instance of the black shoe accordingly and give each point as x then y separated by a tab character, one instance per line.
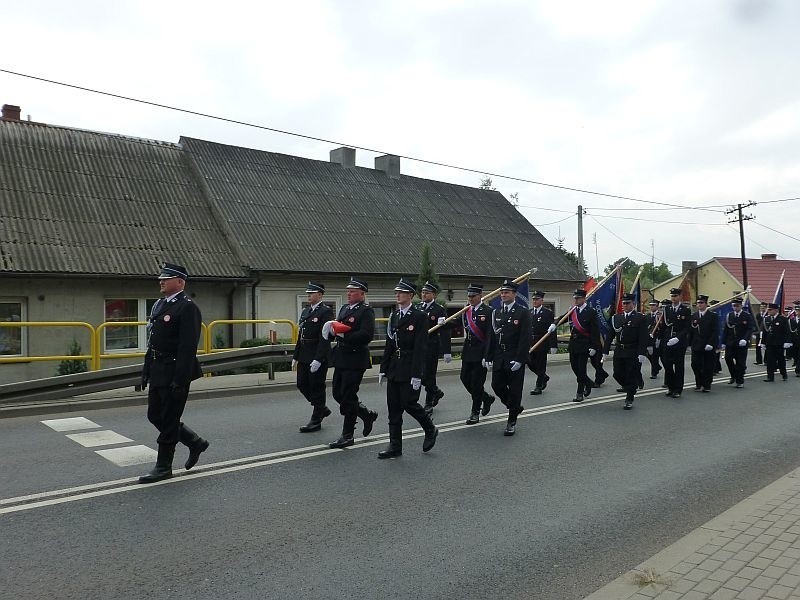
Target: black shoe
390	452
706	390
641	386
537	391
473	418
488	399
547	378
157	474
653	376
619	389
676	394
759	363
430	439
698	389
739	386
587	391
731	381
342	442
315	423
163	468
578	398
195	452
769	379
628	405
369	421
785	378
510	429
437	395
669	394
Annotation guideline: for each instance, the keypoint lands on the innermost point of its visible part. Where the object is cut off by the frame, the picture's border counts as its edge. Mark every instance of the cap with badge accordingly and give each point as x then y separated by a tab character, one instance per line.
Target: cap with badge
509	285
702	298
654	302
168	271
406	286
737	300
430	287
675	292
579	294
474	289
628	298
773	305
537	294
315	288
357	284
666	302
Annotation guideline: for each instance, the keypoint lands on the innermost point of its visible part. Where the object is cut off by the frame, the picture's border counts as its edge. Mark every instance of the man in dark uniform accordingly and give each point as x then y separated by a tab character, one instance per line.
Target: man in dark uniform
677	318
353	330
629	328
739	328
703	340
508	350
438	344
654	320
402	366
774	340
477	322
794	336
311	355
542	326
759	319
718	351
584	342
170	365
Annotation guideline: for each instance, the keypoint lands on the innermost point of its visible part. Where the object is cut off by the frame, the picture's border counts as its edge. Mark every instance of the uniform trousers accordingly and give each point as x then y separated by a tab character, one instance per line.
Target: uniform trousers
672	359
164	410
312	385
759	355
473	377
345	390
627	372
653	358
401	397
429	370
538	364
736	359
776	361
578	361
600	374
703	365
507	384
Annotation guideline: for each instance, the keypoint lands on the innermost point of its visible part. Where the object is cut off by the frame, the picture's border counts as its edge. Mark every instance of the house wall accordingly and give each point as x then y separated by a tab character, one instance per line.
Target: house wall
712	280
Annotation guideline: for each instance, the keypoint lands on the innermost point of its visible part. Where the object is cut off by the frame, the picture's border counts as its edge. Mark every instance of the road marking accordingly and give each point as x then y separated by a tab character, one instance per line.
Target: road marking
71	424
129	455
32	501
98	438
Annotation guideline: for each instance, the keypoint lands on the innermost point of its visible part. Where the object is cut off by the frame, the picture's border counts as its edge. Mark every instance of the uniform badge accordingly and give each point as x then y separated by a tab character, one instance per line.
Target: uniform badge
166	318
483	318
433	317
516	321
314	320
351	320
410	328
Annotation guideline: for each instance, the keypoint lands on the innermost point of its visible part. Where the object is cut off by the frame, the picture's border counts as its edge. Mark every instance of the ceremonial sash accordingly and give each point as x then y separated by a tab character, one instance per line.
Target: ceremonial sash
476	331
577	324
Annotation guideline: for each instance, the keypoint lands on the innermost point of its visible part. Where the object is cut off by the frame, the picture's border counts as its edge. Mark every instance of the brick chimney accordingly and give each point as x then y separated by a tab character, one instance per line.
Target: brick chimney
344	156
11	112
769	257
389	164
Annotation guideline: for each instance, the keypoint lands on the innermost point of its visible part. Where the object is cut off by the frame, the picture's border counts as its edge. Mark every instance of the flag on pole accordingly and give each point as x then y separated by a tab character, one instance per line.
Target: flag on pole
723	309
778	298
604	301
636	290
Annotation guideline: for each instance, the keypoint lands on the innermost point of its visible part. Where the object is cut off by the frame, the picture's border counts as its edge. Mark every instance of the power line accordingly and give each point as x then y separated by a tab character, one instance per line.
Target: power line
661	221
791	237
554	222
327	141
647	254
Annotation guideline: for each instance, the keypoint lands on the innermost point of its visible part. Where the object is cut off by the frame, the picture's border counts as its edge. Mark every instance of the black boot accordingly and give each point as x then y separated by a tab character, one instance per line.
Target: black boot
473	418
436	396
348	427
488	399
395	447
163	468
368	417
628	402
430	439
511	426
195	452
315	423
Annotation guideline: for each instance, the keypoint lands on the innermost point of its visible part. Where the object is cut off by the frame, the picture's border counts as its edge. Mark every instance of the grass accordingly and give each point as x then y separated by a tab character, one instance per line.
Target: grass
649	576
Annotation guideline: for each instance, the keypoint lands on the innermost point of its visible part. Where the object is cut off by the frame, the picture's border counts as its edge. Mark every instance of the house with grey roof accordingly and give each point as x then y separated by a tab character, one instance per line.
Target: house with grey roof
87	217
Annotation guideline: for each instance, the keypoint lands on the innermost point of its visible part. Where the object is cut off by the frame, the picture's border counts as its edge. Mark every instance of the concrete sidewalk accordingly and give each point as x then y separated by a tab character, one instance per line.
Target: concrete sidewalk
748	552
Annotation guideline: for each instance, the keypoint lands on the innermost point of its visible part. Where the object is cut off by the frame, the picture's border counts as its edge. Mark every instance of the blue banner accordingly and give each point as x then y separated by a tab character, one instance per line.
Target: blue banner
523	297
637	295
723	309
604	302
778	299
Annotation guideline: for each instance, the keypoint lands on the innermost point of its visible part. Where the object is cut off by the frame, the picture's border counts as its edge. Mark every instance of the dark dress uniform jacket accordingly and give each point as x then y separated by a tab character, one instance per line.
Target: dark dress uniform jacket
404	354
676	324
651	319
631	334
439	341
310	345
704	331
172	349
539	325
776	331
578	342
474	347
738	328
511	337
352	350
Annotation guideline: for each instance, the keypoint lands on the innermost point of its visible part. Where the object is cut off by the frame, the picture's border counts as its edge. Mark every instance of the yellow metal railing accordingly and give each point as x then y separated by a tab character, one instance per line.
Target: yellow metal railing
207	345
18	359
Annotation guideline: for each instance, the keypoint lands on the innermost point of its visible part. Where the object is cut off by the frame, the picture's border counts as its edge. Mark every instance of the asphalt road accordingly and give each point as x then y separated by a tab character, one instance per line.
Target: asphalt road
581	494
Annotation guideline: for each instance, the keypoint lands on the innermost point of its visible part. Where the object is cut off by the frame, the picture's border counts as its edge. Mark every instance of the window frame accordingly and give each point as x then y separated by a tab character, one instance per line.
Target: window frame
23	331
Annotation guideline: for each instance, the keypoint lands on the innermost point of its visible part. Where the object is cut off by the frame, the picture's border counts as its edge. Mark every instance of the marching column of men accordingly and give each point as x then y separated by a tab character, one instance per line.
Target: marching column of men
774	340
794	337
477	322
629	329
739	329
703	340
437	344
677	319
584	342
543	330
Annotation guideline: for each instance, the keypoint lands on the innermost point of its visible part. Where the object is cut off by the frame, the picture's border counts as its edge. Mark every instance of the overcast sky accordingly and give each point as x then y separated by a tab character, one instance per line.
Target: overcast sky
684	102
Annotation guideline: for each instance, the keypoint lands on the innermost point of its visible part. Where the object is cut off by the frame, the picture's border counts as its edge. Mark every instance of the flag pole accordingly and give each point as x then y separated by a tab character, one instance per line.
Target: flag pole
488	297
633	287
589	295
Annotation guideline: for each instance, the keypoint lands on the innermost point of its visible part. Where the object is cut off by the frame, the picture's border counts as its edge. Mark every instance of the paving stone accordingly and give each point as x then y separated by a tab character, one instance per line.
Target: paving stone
682	568
785	561
694	558
723	594
721	575
707	586
763	583
737	583
750	594
770	553
694	596
779	592
750	573
789	580
735	564
697	575
759	562
779	545
774	572
710	564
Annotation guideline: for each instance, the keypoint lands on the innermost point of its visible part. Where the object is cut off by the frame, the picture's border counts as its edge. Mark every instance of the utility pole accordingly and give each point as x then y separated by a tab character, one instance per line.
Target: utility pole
741	219
596	256
581	274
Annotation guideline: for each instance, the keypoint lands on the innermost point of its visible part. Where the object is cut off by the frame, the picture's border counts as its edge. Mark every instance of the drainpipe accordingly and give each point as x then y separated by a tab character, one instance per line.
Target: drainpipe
230	312
254	283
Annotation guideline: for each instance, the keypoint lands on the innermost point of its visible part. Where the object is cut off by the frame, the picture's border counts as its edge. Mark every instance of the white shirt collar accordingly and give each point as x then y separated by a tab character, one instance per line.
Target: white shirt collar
170	298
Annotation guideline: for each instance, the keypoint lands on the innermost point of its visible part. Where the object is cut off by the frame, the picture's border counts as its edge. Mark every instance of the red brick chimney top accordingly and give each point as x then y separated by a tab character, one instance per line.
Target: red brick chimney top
11	112
769	257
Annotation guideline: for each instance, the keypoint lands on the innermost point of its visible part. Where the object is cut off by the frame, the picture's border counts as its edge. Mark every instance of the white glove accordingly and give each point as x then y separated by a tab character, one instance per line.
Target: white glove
722	346
416	382
448	358
381	377
763	346
605	356
515	366
340	334
294	365
642	358
552	328
326	329
553	350
672	341
787	345
592	351
650	350
314	366
709	348
742	343
486	364
440	321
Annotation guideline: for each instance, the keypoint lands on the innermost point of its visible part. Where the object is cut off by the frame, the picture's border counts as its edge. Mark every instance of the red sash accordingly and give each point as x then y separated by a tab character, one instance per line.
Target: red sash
476	331
576	324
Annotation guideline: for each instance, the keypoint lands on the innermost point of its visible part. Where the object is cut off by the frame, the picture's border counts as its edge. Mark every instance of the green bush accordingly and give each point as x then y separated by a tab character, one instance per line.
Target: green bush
68	367
264	368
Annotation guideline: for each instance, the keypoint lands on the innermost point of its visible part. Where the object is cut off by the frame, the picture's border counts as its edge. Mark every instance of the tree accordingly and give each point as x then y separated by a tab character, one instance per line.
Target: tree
649	277
68	367
426	272
571	256
486	184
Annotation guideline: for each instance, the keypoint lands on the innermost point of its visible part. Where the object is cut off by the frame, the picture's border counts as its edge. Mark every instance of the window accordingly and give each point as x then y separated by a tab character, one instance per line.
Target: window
12	339
130	338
